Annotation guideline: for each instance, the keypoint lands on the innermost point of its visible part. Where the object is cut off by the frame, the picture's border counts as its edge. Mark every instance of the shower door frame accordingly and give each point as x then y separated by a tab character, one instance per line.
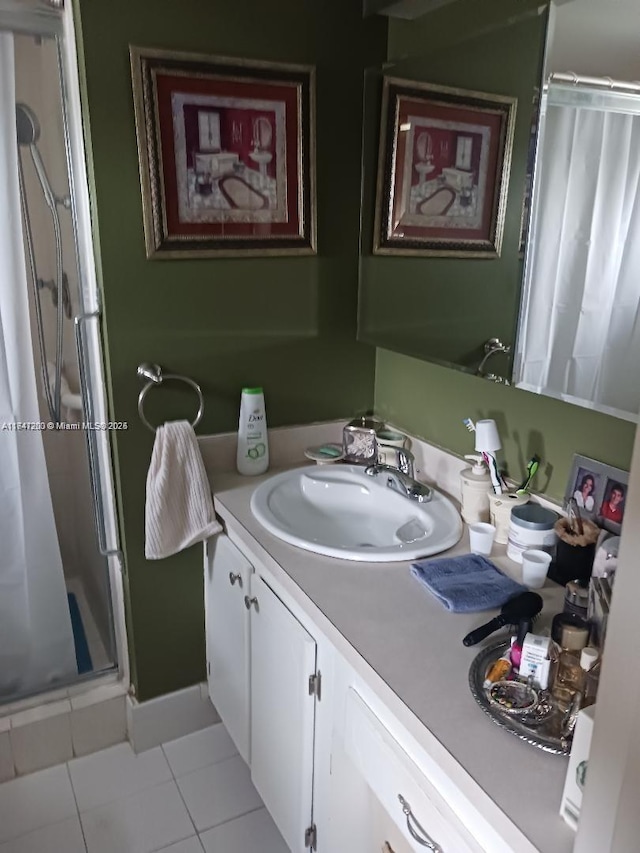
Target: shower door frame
39	17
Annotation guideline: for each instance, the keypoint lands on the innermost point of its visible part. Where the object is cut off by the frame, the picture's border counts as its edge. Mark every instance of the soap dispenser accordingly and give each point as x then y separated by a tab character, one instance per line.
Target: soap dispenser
476	485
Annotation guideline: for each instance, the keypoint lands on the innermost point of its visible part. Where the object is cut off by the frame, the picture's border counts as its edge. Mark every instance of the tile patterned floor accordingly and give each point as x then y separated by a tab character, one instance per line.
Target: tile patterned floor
193	795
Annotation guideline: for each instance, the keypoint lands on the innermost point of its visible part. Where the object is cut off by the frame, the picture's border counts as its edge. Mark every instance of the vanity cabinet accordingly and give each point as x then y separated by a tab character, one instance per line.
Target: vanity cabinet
380	796
283	703
227	580
261	665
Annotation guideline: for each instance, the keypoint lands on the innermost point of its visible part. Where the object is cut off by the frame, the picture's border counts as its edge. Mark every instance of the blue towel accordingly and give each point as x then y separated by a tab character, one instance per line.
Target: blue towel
466	584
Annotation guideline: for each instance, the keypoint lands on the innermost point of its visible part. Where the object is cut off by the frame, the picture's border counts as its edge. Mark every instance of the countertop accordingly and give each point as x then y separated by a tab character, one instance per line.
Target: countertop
415	646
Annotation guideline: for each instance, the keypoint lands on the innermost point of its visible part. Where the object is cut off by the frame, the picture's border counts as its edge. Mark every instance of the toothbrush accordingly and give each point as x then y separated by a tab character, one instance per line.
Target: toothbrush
532	467
469	424
492	465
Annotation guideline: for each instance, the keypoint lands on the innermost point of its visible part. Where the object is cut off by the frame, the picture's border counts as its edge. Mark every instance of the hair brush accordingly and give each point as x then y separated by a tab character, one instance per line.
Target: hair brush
525	605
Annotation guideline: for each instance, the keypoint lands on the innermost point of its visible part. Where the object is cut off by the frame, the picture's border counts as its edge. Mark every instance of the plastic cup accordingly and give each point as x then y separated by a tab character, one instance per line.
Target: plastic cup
535	565
481	536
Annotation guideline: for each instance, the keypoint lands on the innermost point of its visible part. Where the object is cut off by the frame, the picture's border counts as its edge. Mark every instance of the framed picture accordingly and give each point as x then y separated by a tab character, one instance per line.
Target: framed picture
226	153
443	171
599	490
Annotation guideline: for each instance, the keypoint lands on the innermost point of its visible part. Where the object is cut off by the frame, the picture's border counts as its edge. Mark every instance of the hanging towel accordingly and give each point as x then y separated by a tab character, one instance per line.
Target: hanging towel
467	583
179	509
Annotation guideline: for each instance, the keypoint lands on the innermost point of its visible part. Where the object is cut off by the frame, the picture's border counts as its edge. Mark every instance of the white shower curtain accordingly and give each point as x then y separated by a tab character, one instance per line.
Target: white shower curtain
36	638
580	336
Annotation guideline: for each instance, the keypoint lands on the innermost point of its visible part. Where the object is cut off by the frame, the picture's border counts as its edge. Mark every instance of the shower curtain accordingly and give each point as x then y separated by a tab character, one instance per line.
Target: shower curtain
581	335
36	638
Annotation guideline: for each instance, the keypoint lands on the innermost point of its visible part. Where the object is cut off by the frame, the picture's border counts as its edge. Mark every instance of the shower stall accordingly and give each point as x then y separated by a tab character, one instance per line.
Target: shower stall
60	561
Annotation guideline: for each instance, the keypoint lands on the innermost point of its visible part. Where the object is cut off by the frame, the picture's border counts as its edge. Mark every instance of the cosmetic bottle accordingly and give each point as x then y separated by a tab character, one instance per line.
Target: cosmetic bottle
569	674
524	626
476	483
499	670
253	444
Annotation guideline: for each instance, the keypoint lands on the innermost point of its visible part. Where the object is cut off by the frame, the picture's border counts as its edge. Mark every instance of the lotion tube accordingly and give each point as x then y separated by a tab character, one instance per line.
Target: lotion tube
253	444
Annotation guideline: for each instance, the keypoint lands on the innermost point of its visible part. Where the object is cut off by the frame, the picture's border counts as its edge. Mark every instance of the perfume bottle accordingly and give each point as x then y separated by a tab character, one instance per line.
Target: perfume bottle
569	675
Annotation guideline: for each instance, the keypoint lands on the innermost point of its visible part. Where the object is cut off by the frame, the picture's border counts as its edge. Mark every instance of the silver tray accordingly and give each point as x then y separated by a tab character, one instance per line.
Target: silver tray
543	731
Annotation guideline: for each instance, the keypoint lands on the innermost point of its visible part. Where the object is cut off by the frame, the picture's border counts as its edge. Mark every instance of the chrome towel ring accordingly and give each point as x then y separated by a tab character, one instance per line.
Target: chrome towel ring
153	373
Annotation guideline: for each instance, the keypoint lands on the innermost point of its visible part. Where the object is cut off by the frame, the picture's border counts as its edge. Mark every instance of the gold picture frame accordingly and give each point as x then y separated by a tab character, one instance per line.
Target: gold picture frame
443	170
226	150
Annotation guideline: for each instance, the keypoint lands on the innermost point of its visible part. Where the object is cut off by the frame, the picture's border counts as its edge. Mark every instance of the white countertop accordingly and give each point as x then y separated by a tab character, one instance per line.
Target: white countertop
415	646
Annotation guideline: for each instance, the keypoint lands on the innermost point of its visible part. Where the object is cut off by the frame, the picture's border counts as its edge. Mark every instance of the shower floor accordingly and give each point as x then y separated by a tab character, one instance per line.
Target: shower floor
99	655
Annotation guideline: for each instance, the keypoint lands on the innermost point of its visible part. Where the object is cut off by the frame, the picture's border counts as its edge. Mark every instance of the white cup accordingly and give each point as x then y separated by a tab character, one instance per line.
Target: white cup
481	536
535	565
487	437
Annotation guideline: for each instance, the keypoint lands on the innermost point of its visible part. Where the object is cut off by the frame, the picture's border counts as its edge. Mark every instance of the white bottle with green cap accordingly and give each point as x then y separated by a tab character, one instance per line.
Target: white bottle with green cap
253	443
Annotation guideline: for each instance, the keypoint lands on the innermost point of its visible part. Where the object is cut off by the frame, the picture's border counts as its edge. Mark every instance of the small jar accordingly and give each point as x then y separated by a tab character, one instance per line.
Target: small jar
531	526
576	599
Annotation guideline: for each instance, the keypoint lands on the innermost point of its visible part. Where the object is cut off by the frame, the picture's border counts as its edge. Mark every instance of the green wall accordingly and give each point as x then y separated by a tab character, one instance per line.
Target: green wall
285	323
431	401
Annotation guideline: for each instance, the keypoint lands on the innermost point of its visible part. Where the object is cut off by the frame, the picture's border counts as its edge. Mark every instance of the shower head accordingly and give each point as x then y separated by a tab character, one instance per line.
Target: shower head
27	125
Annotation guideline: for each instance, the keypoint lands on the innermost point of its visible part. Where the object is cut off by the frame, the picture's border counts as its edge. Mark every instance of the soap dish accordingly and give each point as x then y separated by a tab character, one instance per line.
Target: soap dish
325	454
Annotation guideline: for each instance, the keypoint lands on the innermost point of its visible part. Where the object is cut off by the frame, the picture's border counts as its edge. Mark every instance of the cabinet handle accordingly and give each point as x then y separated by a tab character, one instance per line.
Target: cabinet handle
233	578
417	832
249	601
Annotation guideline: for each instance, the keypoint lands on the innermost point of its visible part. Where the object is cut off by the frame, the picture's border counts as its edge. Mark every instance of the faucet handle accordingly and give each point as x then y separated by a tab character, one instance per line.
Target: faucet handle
406	461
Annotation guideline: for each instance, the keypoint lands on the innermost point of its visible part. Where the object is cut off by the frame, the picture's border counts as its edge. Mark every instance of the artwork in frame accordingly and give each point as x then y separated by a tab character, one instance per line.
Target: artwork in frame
226	154
443	170
599	490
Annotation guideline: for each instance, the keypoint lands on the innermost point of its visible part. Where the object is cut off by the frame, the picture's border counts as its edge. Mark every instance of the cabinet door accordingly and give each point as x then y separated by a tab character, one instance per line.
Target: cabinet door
227	580
283	656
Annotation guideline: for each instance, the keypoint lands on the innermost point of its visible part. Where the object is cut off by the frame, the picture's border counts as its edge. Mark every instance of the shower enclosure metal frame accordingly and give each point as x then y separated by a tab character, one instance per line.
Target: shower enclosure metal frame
48	19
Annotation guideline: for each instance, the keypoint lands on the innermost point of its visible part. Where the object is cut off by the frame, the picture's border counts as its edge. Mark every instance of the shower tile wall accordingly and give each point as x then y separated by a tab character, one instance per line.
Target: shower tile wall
67	461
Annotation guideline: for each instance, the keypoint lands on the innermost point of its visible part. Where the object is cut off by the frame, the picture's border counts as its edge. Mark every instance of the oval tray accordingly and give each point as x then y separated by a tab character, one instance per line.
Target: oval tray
544	734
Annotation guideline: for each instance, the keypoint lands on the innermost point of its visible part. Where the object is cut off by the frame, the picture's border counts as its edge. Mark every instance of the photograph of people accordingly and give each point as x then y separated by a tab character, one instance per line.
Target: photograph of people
585	488
612	508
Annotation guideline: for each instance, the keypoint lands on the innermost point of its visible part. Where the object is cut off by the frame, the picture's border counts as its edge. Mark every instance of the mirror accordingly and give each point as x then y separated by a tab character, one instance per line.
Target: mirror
579	335
445	163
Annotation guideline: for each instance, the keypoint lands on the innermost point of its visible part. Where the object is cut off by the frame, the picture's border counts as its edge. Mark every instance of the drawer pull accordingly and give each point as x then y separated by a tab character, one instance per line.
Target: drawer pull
249	601
416	831
235	577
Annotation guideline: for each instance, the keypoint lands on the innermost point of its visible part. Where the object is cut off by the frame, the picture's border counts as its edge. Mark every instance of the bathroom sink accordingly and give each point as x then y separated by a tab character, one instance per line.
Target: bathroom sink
339	511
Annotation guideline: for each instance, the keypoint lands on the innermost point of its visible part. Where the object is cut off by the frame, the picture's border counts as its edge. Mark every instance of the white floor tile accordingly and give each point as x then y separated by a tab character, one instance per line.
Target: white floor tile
115	773
255	831
63	837
146	821
199	749
34	801
191	845
219	792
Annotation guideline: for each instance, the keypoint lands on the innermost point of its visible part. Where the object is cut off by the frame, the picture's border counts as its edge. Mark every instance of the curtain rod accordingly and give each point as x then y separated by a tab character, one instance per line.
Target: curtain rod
631	87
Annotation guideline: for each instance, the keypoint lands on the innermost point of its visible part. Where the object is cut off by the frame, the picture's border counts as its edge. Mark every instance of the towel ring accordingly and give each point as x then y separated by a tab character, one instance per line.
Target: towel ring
153	373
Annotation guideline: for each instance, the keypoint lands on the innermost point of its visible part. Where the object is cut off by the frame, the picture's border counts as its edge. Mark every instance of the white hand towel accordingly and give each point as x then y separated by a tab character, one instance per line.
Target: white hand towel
179	509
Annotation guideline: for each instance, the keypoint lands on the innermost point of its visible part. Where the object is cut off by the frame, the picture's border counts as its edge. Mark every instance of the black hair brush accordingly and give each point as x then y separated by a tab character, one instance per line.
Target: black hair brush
525	605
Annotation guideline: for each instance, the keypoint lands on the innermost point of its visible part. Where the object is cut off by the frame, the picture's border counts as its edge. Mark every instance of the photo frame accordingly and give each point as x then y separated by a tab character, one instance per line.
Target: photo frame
443	170
599	490
226	155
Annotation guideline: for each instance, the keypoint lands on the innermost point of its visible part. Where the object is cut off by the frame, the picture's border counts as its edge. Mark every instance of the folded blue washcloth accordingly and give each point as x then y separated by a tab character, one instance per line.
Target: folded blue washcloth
466	584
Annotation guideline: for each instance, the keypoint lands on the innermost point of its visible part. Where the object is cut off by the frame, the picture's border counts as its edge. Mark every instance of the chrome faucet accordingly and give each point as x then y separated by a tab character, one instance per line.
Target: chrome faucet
401	482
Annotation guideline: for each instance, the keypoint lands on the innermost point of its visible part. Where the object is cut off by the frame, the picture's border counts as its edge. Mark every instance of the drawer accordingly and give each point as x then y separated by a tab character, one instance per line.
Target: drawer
390	773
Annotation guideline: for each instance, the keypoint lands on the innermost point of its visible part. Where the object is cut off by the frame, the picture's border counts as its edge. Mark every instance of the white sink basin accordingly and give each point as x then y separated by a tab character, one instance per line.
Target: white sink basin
339	511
